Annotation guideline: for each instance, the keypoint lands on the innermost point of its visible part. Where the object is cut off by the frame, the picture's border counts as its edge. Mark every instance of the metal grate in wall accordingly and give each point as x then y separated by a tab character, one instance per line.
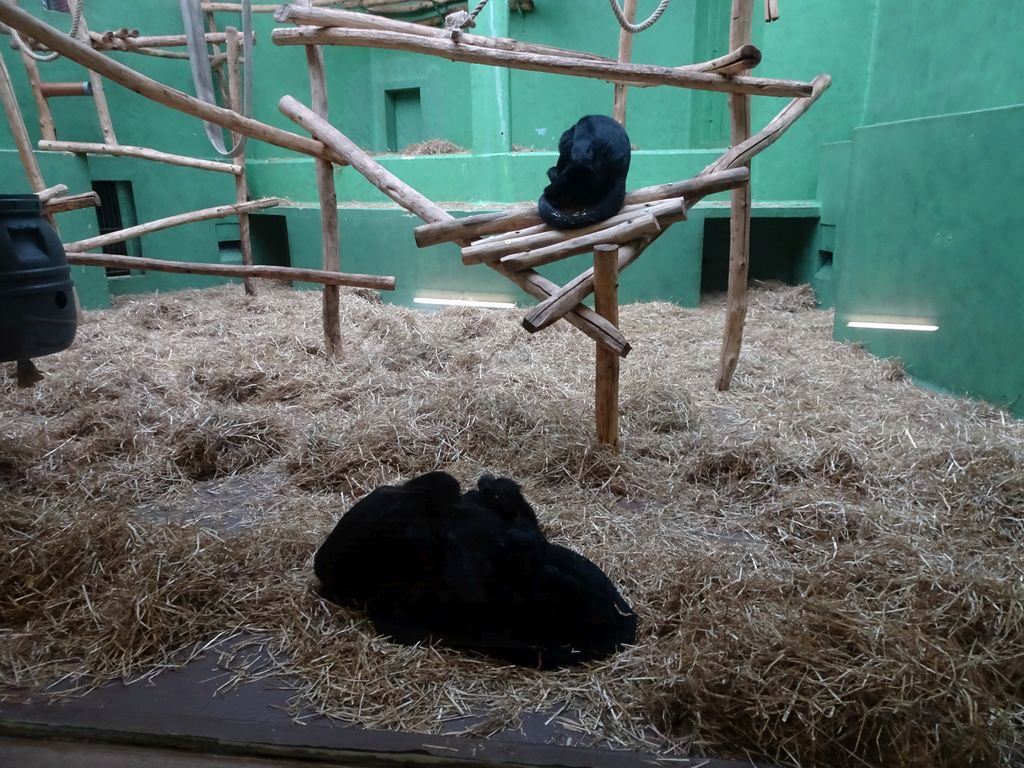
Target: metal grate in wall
115	212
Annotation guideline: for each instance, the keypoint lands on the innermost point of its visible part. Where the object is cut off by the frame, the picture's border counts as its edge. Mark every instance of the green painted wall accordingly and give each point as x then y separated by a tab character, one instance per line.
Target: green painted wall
926	199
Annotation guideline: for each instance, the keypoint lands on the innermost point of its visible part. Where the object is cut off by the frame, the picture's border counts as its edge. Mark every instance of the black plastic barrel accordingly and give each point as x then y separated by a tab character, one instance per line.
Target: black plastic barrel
37	306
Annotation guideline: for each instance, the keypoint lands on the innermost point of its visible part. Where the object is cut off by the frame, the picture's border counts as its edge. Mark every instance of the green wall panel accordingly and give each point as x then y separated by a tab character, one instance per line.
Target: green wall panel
937	58
929	237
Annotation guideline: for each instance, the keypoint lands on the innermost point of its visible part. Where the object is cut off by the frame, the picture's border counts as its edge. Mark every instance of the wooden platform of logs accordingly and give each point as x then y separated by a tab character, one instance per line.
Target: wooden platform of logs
512	242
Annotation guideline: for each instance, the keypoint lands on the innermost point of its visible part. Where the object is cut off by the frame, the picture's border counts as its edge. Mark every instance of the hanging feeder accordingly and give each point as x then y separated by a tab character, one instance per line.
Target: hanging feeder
37	305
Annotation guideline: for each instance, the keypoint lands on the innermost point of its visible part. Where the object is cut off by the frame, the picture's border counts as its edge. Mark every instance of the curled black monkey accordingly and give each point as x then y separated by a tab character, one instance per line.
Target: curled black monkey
588	184
390	542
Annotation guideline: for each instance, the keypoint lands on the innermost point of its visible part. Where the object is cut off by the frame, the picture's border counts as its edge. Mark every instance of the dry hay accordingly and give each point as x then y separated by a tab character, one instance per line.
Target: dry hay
826	559
432	147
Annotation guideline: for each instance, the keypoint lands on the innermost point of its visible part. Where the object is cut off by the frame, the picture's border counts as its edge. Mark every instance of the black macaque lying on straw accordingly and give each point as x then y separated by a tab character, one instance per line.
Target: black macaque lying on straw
472	572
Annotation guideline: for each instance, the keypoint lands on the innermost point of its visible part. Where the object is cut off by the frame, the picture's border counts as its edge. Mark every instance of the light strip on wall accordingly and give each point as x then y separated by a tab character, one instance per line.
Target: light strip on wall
892	326
464	303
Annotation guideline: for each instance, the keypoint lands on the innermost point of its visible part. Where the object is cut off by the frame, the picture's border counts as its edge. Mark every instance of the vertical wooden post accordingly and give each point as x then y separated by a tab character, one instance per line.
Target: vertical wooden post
241	181
330	236
625	54
47	128
739	218
606	303
99	95
214	50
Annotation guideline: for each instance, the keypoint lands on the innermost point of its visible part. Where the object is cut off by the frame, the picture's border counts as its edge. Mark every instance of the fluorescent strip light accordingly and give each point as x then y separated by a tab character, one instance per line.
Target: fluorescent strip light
892	326
464	303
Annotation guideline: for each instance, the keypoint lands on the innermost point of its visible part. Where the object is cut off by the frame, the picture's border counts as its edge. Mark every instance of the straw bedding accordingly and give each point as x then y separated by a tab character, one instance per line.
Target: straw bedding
826	560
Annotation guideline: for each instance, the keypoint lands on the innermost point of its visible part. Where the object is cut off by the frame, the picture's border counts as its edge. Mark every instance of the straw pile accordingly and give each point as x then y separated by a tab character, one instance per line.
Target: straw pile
826	560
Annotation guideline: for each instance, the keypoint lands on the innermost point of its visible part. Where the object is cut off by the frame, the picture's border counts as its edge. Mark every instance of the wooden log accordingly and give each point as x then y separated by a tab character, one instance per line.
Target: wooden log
49	193
606	379
241	180
83	54
624	57
330	236
771	10
72	203
47	128
744	58
50	90
143	153
644	225
99	93
374	282
536	285
472	227
740	155
323	17
18	131
739	217
600	70
576	290
520	241
151	41
217	212
237	7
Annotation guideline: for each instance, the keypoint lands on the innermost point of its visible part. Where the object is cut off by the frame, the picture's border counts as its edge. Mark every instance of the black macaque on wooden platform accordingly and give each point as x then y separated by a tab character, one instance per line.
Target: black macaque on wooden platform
588	183
471	571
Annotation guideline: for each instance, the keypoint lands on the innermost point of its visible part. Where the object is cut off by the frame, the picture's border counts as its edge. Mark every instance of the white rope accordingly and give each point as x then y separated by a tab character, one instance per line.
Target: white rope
634	28
76	21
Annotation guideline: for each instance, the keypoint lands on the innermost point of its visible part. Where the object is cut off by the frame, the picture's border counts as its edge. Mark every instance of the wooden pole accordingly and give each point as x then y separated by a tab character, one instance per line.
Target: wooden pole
644	225
99	94
288	274
523	240
606	302
47	128
45	195
81	53
739	217
51	90
324	17
143	153
217	212
151	41
71	203
330	235
533	283
18	131
625	56
536	62
472	227
241	180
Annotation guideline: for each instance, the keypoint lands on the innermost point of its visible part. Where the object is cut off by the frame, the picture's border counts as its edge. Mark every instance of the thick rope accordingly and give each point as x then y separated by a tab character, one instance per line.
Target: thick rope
634	28
76	21
476	11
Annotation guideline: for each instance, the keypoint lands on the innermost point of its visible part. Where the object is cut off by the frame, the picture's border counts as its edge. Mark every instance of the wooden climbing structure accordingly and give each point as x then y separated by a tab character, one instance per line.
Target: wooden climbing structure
512	242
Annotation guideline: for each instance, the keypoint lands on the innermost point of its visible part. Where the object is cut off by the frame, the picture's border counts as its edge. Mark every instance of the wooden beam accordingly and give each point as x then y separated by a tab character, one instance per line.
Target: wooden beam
739	217
18	131
217	212
46	125
75	50
50	90
642	225
103	41
99	93
606	379
233	43
71	203
624	57
472	227
142	153
536	285
520	241
330	236
324	17
600	70
374	282
49	193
